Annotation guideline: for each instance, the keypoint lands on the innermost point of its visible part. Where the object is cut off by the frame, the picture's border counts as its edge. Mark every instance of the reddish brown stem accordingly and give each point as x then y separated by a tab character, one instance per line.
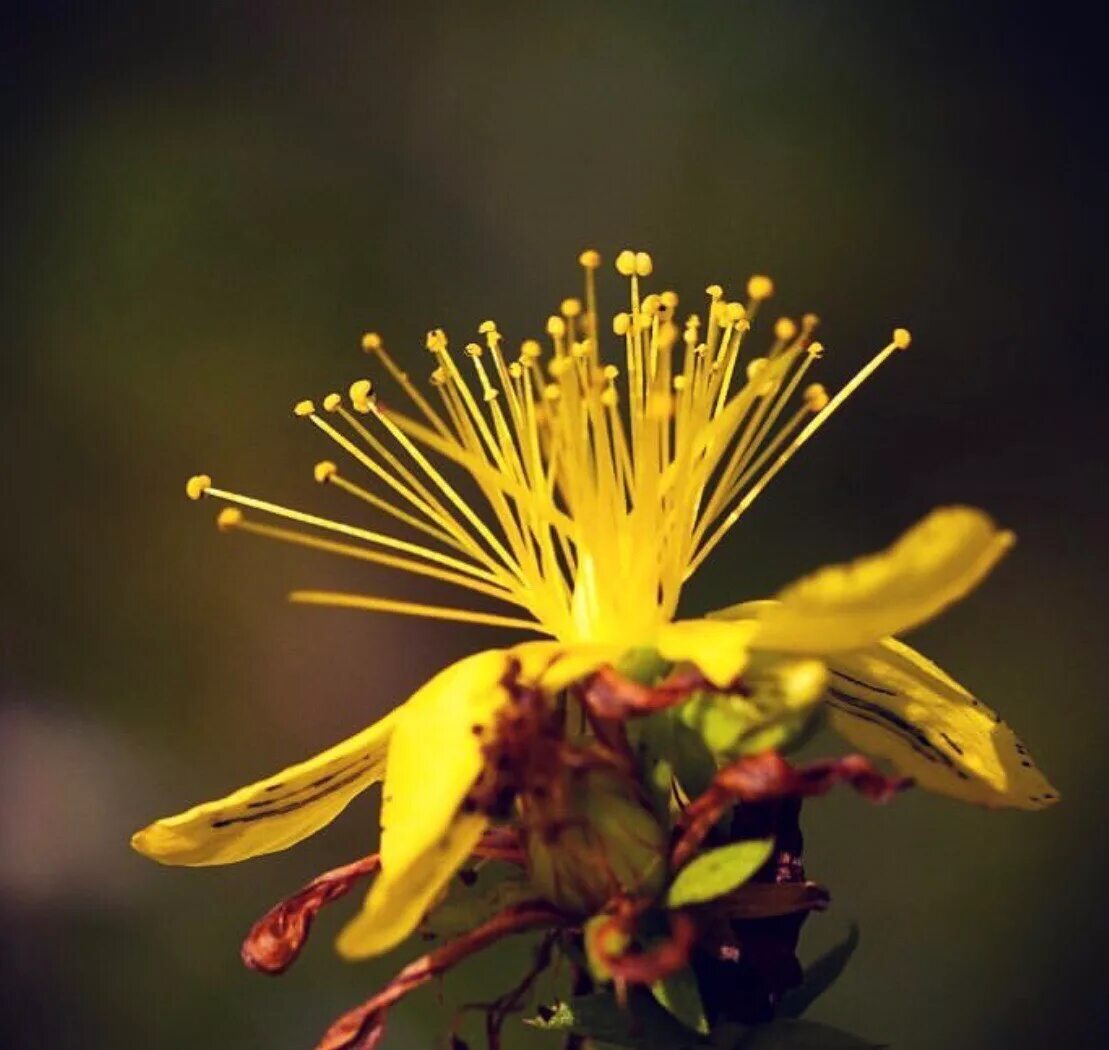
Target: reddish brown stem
363	1028
767	776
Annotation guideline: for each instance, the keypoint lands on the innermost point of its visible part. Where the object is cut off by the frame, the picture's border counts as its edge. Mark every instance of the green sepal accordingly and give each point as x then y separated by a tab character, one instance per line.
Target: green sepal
718	871
669	751
820	975
643	665
781	695
642	1025
475	896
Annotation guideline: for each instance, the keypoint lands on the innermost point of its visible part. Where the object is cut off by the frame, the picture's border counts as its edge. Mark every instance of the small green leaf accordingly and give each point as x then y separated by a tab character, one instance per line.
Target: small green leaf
670	750
820	975
474	897
801	1035
642	1025
718	871
679	995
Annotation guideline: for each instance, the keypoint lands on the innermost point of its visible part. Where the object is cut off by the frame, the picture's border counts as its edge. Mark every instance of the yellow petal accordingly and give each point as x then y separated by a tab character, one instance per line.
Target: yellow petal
937	562
434	758
274	813
718	648
891	702
401	897
556	665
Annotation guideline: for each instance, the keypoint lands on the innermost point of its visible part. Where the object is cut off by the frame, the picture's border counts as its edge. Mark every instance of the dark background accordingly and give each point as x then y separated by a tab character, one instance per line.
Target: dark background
205	205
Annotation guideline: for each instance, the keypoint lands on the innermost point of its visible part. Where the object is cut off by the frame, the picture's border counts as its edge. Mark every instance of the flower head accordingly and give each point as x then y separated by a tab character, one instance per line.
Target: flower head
573	494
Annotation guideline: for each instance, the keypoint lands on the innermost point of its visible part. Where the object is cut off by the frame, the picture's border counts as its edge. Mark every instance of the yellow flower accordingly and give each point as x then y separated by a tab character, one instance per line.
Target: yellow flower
579	496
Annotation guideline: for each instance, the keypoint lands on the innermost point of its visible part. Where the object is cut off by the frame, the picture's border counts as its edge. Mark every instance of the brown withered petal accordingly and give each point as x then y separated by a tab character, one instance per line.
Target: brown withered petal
608	694
363	1028
768	776
276	939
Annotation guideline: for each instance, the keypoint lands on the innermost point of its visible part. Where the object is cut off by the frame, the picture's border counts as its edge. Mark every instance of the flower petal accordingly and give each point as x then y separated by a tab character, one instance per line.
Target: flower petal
718	648
434	758
274	813
892	702
936	562
555	665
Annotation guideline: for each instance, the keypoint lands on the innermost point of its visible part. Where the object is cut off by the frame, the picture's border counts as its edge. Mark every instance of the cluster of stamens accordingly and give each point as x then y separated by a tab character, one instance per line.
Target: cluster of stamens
577	491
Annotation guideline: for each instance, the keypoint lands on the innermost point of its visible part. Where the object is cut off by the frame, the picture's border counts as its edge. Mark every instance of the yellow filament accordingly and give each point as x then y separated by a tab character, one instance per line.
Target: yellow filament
301	539
435	612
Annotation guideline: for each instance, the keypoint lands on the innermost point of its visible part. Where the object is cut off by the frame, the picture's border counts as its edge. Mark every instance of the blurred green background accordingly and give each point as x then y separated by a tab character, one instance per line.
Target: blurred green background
204	206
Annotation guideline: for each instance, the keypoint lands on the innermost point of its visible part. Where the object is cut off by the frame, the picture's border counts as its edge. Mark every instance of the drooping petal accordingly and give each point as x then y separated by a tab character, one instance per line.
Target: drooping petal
274	813
720	648
434	759
840	607
892	702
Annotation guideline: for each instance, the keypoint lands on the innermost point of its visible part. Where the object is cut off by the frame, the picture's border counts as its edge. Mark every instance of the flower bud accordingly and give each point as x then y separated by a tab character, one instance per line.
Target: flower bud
601	841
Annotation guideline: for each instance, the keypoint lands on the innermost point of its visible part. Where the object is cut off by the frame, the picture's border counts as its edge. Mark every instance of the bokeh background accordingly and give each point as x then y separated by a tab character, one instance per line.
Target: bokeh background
205	204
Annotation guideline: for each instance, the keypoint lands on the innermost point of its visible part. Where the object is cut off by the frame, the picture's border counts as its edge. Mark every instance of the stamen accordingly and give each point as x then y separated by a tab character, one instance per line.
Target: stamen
435	612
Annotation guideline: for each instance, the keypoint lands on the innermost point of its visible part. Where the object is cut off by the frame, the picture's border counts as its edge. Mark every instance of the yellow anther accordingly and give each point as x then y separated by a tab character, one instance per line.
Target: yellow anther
515	370
625	263
304	408
556	326
436	340
714	292
651	305
361	395
816	397
590	259
473	350
197	485
756	368
323	470
784	329
570	308
530	350
735	313
670	300
559	366
760	287
621	324
902	337
609	397
610	372
815	349
809	322
332	402
439	377
551	392
228	518
643	264
371	341
487	328
680	383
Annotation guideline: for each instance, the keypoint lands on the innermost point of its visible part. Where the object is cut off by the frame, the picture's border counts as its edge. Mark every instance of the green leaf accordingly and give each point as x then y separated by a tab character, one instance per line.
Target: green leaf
642	1025
718	871
474	897
800	1035
820	975
680	996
